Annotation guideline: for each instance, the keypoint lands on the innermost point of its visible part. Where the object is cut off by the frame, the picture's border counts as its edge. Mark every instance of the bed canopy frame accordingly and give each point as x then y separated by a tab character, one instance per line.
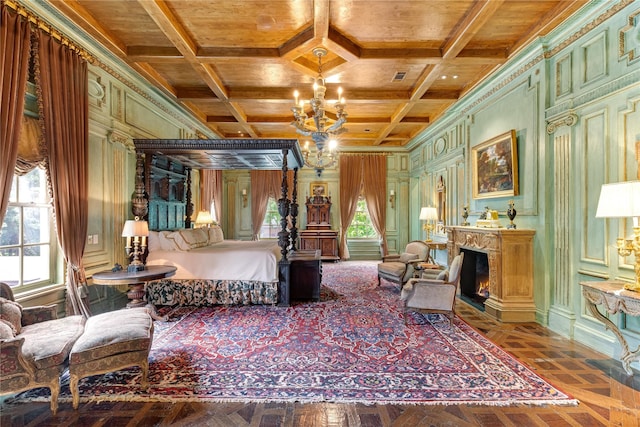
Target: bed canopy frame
163	182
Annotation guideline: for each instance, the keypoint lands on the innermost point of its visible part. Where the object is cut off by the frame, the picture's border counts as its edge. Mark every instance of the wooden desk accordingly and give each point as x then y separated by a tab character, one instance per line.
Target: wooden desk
614	299
136	281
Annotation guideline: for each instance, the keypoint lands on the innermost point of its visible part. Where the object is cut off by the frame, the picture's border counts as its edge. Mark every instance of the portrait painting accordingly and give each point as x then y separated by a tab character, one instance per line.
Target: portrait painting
495	167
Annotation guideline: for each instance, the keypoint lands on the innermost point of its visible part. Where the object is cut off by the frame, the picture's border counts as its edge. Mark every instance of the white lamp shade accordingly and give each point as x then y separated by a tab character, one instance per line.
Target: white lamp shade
619	200
204	217
428	213
135	228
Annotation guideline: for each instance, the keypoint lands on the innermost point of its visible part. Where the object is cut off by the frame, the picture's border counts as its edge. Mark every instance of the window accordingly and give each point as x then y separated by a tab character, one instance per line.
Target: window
271	224
27	247
361	227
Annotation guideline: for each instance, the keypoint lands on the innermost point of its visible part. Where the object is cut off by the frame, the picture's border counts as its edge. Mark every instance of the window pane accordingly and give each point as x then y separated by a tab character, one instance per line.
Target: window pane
36	264
361	227
271	224
10	231
36	225
32	187
10	266
14	188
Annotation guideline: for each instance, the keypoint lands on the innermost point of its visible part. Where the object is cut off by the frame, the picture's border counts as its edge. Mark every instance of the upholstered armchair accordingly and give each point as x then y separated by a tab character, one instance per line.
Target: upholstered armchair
434	295
401	267
34	345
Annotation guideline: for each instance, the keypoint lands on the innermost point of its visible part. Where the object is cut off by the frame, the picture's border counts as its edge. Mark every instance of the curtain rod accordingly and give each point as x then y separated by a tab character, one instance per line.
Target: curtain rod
48	28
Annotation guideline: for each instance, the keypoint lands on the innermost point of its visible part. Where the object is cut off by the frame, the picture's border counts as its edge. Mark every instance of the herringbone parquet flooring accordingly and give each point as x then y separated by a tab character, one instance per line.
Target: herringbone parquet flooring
608	397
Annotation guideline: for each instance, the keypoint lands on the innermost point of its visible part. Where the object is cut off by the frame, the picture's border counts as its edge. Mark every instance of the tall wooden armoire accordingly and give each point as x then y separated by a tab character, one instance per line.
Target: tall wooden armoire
318	234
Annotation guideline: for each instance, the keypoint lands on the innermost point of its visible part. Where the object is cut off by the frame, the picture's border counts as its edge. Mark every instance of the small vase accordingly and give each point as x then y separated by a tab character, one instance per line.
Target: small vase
465	215
511	213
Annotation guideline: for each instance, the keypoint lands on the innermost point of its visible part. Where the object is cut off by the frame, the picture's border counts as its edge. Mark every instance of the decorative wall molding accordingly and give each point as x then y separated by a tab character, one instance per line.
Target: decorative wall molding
570	118
629	40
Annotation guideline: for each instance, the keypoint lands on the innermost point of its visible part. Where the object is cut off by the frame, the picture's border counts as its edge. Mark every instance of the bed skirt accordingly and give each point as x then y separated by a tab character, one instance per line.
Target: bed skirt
199	292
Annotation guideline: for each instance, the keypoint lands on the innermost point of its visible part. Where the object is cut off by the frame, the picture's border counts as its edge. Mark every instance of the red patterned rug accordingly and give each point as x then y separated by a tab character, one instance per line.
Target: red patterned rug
352	346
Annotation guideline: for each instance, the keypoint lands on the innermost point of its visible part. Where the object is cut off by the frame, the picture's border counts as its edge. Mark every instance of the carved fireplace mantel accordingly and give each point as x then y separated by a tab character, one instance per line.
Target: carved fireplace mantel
510	257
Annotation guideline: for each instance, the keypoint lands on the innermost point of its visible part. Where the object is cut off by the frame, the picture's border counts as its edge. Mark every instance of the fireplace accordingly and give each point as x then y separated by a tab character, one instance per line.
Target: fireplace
474	279
502	259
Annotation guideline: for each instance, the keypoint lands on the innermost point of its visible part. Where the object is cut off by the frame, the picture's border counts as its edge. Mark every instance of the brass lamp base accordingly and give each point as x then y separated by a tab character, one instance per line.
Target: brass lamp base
626	248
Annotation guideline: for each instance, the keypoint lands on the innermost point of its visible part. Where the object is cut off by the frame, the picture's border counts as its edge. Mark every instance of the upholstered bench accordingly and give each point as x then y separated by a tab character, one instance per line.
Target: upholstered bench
111	341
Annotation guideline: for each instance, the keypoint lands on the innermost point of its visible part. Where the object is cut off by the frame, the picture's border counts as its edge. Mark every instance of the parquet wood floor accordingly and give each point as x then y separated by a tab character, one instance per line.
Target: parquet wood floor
608	397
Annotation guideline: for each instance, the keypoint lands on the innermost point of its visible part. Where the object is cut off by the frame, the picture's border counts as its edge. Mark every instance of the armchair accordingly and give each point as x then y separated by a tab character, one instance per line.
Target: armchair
34	345
434	295
401	267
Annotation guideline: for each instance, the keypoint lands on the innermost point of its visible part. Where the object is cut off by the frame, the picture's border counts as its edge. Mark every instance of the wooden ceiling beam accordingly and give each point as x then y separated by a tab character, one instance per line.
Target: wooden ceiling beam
466	29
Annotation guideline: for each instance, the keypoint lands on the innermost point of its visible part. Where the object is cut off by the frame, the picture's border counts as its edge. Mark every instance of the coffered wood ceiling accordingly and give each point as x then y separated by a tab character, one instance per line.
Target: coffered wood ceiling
235	64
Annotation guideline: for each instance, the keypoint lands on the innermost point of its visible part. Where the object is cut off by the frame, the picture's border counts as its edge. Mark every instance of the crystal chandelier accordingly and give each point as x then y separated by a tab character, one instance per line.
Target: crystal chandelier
321	128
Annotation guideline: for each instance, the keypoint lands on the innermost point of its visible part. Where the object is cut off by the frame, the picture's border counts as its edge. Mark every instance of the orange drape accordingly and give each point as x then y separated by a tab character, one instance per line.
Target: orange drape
62	81
350	187
375	190
211	191
15	45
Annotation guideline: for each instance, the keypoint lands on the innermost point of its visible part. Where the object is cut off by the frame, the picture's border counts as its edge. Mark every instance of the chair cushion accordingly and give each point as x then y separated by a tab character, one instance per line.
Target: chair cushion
406	257
444	275
48	343
112	333
395	269
11	311
6	330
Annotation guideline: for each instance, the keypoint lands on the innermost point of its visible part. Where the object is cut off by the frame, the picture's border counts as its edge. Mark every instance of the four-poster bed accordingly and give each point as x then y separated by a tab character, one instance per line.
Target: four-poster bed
163	197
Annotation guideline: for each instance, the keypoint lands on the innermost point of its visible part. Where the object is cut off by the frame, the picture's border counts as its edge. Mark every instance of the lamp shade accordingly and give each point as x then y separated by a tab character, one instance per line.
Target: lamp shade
204	218
428	213
135	228
619	200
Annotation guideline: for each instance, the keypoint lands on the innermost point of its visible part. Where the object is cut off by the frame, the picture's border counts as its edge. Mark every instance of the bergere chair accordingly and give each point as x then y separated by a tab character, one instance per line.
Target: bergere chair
401	267
433	295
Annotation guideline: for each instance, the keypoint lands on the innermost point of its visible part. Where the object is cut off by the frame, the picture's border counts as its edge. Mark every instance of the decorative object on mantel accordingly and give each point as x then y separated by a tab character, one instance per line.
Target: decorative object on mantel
488	219
321	128
136	232
465	215
511	213
429	215
622	200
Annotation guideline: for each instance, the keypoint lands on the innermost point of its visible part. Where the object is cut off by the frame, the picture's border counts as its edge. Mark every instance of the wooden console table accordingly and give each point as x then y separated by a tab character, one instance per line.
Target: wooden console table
136	281
615	299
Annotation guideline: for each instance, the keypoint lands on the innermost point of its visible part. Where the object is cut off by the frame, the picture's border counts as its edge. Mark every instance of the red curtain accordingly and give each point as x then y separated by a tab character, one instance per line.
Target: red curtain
62	80
375	190
15	45
350	187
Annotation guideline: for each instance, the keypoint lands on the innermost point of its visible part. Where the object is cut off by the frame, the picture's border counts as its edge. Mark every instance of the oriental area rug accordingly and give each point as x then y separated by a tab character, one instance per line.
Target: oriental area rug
354	346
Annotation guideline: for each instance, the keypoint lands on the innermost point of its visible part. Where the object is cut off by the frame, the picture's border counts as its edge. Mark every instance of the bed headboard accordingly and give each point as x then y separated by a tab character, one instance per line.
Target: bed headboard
167	184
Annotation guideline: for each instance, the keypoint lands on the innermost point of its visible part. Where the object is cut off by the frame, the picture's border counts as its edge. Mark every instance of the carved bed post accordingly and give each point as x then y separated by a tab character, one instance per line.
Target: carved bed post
140	200
294	211
283	209
188	205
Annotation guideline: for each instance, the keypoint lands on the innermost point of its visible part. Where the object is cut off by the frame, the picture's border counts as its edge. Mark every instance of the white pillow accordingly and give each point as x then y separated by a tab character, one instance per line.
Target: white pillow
185	240
165	243
215	234
153	241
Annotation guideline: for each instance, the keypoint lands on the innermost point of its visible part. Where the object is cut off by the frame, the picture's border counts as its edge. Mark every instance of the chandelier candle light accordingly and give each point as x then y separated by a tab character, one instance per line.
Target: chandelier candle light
622	200
136	232
321	128
429	215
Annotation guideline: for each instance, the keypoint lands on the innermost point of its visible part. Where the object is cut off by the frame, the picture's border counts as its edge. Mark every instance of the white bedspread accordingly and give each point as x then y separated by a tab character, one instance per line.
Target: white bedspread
226	260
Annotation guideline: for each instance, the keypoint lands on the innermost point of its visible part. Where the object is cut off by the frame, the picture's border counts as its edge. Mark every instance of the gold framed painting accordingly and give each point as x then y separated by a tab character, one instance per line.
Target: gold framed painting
494	165
318	189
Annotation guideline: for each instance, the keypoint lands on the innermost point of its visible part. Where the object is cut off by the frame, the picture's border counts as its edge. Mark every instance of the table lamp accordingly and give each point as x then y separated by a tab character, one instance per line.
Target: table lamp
136	232
622	200
204	219
429	215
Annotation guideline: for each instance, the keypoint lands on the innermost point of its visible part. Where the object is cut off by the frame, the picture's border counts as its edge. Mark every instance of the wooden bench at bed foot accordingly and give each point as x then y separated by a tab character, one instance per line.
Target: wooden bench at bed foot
110	342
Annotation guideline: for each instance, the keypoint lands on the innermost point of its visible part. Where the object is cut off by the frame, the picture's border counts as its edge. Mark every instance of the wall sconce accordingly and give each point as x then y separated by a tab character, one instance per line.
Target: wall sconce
622	200
244	197
392	198
136	232
429	216
204	219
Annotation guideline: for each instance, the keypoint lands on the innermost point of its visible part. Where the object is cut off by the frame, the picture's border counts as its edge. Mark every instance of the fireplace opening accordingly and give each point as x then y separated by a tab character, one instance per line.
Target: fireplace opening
474	278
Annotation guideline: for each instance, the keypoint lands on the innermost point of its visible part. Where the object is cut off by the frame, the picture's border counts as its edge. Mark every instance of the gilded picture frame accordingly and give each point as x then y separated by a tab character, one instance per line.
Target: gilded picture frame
318	189
494	165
